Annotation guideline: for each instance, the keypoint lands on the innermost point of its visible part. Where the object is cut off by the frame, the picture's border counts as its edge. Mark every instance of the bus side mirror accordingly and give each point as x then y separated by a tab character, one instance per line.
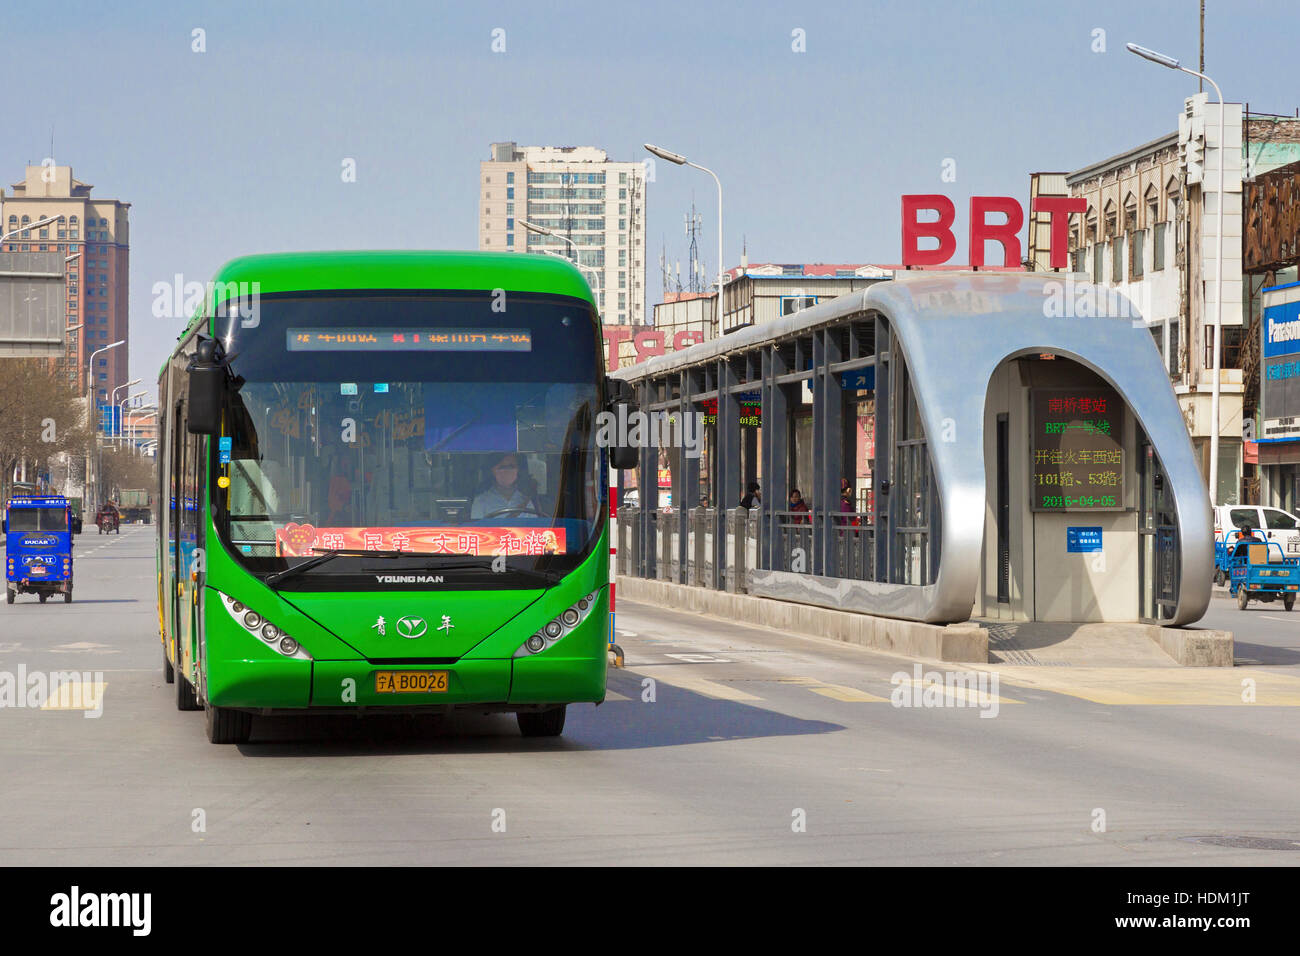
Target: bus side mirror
619	392
6	524
207	389
622	457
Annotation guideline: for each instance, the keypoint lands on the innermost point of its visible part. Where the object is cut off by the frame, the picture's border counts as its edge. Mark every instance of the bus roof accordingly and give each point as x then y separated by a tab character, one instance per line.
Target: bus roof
404	269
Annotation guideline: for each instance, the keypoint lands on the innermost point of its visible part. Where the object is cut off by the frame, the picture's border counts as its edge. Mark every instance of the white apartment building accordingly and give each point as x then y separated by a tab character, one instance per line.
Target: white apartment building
595	208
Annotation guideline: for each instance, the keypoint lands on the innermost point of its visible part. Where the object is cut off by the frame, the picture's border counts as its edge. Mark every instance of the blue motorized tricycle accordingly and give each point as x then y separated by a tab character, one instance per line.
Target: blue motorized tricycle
1260	570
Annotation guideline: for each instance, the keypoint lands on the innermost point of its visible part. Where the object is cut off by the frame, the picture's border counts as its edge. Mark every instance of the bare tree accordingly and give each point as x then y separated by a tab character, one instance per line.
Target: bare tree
41	415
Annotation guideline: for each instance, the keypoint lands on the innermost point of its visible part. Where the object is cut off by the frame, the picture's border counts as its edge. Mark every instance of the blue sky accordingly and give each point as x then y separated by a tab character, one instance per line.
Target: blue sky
239	149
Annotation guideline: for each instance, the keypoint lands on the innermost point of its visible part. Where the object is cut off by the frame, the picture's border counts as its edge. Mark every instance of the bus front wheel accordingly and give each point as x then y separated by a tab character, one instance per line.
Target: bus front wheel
226	726
546	723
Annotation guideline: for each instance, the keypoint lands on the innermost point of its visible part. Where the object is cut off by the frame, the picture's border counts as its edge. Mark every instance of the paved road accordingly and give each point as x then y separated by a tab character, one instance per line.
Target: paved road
749	733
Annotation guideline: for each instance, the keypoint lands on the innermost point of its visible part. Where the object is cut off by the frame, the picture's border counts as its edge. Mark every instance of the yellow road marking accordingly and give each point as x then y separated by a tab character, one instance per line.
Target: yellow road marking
1130	686
699	685
968	696
76	695
835	691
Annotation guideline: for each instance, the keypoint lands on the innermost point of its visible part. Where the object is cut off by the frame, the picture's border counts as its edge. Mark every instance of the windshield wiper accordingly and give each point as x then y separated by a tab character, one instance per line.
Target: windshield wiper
328	555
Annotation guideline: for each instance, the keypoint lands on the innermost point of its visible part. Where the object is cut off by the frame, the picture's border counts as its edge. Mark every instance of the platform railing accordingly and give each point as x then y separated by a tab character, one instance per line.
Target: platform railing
850	541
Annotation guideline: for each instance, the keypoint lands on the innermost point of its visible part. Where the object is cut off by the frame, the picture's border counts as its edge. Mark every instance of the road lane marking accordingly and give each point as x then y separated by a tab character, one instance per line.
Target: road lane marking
1158	686
76	695
848	694
835	691
960	696
698	685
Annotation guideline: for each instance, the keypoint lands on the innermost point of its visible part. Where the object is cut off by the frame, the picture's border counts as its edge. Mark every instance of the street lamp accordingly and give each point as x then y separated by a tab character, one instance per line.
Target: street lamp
679	160
1171	63
149	411
121	417
30	225
543	231
90	372
113	400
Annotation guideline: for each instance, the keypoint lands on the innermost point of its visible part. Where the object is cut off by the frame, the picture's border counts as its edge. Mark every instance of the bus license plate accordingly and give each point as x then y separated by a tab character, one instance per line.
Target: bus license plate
411	682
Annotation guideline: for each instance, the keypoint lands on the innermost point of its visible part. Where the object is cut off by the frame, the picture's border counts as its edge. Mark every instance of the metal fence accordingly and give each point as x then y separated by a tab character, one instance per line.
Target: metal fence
662	557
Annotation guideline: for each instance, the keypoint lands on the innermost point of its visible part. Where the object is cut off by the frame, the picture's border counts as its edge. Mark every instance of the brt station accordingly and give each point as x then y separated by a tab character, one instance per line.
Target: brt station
1007	468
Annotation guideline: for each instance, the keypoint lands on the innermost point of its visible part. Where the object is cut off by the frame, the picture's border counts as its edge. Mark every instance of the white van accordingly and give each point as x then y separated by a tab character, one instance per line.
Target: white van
1273	524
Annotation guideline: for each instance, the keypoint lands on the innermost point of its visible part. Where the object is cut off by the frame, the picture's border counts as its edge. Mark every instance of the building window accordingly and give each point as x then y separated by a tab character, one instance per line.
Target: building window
793	303
1076	260
510	179
510	209
622	177
1098	257
1158	247
1117	259
510	223
1234	339
510	192
510	238
1173	325
1139	244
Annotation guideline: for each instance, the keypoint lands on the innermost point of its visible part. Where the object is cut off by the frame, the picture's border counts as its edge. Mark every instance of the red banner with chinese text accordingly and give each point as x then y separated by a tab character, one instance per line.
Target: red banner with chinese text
299	540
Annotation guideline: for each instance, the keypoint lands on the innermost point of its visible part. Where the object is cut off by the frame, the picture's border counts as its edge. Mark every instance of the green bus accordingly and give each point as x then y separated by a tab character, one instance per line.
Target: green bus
381	491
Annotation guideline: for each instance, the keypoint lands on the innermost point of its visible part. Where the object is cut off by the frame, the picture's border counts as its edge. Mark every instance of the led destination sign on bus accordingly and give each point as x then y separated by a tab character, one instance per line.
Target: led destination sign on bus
408	340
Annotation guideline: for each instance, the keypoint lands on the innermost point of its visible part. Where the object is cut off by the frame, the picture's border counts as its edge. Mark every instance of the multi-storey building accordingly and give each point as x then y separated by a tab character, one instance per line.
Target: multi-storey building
97	233
1150	232
594	207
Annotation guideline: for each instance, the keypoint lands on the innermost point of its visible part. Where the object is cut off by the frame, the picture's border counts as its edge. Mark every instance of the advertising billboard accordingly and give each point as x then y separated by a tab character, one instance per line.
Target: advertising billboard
32	308
1279	353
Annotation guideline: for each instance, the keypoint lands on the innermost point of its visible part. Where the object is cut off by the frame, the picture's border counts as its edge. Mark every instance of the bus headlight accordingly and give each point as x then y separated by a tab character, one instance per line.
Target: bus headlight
559	626
259	627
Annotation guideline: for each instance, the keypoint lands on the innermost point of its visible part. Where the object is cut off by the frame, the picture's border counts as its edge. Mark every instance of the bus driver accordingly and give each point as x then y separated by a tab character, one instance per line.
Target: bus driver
504	493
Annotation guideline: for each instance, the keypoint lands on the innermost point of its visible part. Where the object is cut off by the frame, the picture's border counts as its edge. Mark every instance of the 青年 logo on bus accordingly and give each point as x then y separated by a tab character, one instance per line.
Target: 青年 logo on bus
411	627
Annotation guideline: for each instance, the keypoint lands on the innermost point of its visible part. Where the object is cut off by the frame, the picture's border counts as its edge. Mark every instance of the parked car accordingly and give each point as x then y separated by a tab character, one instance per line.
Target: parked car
108	519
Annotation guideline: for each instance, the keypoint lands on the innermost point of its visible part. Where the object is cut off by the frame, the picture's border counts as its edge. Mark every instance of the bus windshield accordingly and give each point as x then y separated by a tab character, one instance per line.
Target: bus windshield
427	424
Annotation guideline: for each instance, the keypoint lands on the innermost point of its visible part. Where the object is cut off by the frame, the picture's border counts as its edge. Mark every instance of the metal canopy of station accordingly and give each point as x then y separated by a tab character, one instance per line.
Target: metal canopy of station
32	305
930	344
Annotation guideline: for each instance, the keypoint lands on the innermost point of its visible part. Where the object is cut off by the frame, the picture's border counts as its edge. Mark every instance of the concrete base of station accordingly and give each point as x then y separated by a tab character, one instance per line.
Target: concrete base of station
1021	642
966	641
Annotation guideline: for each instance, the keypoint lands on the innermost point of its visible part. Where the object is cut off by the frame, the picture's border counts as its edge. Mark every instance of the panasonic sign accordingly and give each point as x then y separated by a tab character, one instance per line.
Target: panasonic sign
1285	331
